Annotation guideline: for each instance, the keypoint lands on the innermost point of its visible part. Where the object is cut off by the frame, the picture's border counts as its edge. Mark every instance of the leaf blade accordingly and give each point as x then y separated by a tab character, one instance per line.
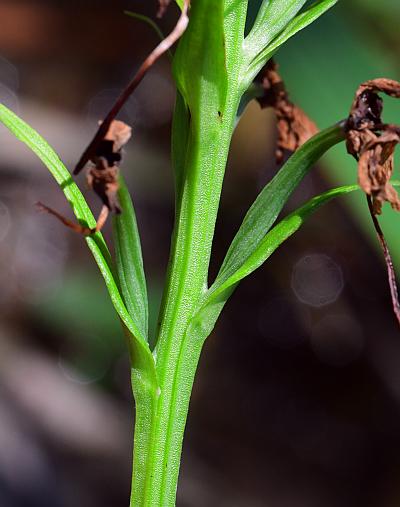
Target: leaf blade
141	356
148	21
129	261
258	53
273	16
265	209
217	296
282	231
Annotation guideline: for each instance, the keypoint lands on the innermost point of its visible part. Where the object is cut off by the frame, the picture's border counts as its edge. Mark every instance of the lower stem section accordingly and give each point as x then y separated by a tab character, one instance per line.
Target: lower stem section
159	431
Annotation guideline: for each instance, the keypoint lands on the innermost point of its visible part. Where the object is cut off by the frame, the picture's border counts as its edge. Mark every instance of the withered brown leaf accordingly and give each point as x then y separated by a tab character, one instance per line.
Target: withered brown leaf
373	142
102	176
294	126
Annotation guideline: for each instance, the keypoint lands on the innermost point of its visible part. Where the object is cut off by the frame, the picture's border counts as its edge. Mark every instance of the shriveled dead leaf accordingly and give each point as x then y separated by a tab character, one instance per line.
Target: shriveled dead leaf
294	126
373	142
103	175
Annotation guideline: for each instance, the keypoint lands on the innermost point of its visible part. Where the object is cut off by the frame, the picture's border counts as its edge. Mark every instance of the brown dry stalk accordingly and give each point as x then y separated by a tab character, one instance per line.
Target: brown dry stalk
294	126
80	229
164	46
388	260
104	151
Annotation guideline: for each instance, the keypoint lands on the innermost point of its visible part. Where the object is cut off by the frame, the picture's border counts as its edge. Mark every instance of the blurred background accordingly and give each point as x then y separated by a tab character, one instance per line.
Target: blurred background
297	399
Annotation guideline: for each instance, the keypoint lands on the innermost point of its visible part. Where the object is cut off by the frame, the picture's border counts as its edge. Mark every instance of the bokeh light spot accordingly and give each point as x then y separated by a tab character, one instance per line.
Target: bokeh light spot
317	280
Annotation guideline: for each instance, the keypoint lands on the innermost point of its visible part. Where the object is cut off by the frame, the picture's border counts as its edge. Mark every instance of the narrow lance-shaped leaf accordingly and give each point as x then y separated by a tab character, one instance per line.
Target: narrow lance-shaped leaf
272	198
258	51
282	231
218	294
141	356
273	16
128	253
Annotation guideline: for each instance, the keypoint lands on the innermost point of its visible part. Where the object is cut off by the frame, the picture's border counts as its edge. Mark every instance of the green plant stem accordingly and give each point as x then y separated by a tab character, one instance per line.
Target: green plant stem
178	351
211	75
145	417
203	126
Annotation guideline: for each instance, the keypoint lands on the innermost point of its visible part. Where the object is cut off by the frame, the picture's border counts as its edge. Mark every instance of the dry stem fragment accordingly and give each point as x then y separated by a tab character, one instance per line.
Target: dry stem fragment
80	229
104	151
394	293
164	46
294	126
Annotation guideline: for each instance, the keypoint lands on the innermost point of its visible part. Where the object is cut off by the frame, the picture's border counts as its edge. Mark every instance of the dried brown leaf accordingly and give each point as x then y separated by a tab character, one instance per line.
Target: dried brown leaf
373	143
102	177
104	182
294	126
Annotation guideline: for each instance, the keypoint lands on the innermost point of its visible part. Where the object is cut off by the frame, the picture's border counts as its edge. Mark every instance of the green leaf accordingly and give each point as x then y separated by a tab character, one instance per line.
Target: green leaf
128	254
271	200
180	3
202	81
142	359
273	16
264	39
282	231
214	300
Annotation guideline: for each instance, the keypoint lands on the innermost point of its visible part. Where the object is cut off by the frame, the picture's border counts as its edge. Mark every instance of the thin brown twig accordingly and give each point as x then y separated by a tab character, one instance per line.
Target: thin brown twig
388	260
164	46
78	228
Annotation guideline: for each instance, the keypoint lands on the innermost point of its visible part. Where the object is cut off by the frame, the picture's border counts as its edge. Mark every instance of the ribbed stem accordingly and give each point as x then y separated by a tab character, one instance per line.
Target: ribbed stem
204	127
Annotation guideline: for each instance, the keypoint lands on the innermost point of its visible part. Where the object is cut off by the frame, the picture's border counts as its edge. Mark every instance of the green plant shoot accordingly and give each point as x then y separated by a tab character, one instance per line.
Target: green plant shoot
214	67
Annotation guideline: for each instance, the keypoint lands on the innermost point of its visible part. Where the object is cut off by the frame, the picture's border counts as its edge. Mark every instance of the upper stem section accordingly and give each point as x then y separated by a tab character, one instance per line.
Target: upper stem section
206	68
